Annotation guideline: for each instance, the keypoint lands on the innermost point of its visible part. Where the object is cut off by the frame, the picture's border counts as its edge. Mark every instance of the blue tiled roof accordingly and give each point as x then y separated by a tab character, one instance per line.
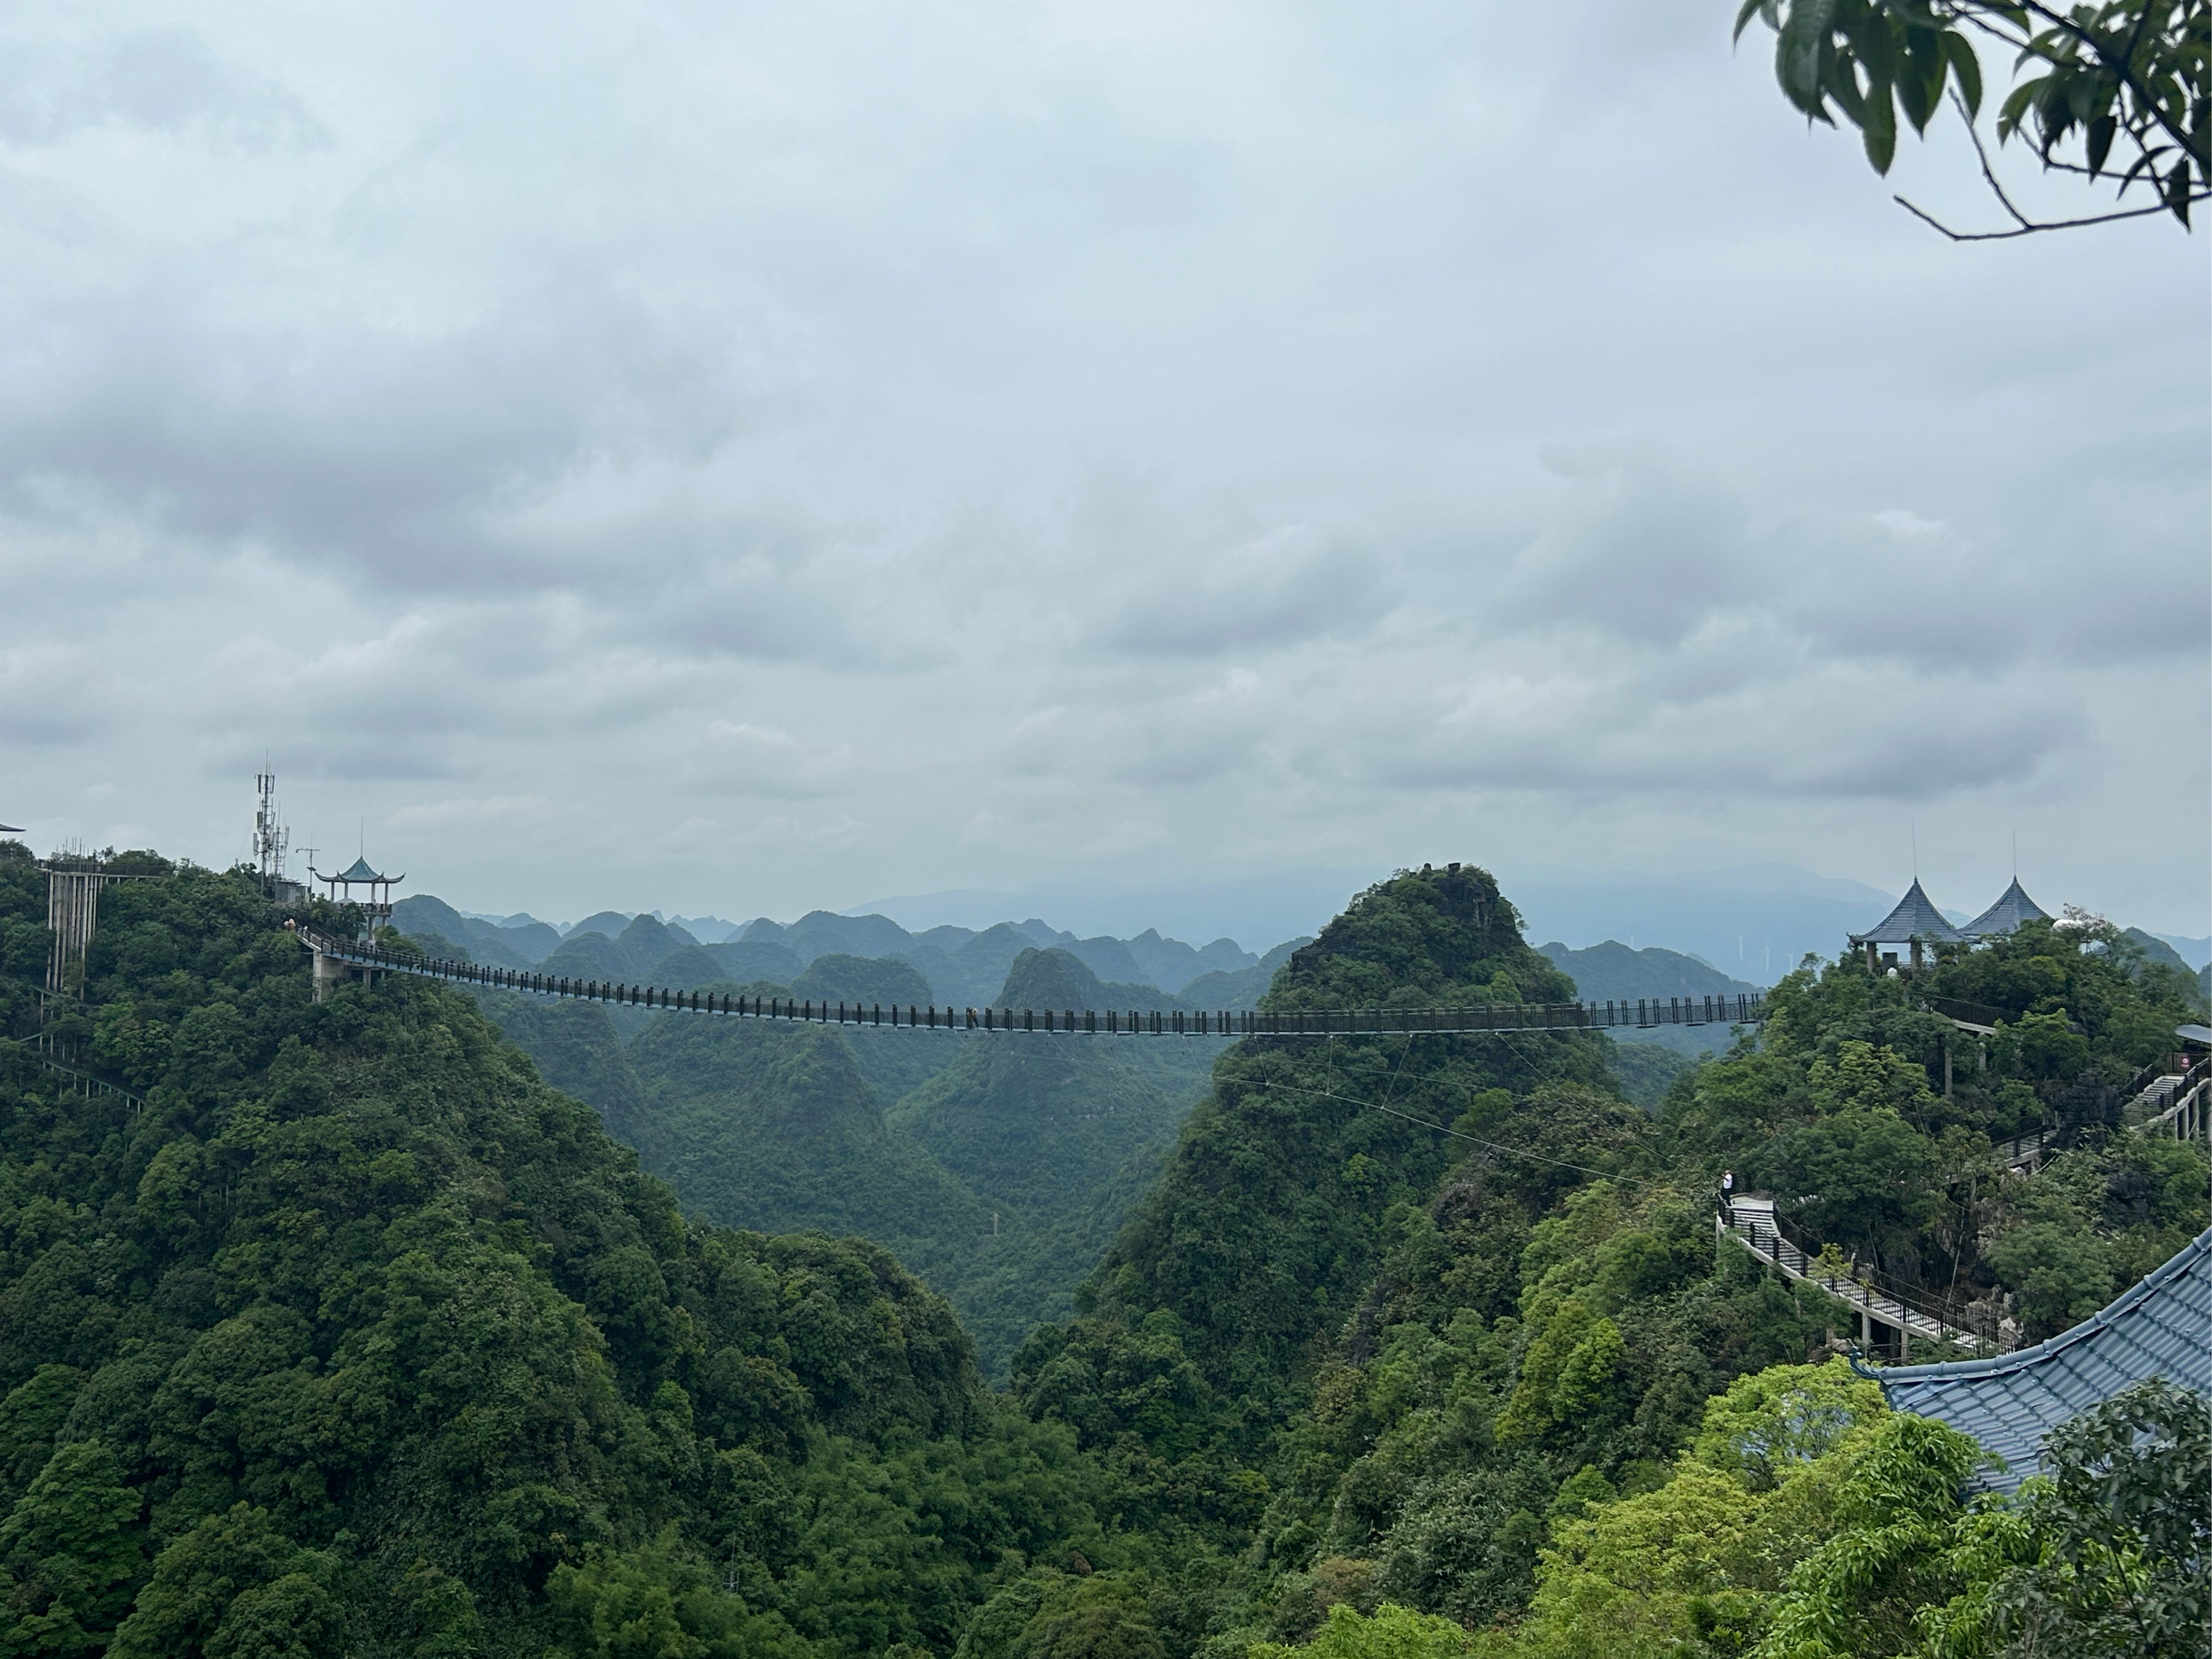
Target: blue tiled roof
1915	918
2013	907
2161	1328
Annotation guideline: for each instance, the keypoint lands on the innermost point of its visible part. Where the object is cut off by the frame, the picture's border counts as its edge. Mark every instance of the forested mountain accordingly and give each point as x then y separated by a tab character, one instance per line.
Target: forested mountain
355	1338
999	1170
1612	972
960	966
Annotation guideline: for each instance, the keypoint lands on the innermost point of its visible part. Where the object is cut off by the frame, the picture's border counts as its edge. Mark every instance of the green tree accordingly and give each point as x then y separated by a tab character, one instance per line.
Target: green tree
237	1562
73	1550
293	1617
2105	90
2061	1272
1391	1633
1864	1590
2111	1556
658	1603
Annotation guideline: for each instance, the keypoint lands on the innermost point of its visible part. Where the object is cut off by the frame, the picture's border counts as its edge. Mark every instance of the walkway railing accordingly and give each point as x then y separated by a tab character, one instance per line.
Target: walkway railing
85	1082
1978	1017
1641	1015
2025	1152
2179	1103
1751	1223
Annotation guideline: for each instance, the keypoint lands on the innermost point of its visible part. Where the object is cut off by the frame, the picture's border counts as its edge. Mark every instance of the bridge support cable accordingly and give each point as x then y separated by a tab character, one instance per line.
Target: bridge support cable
337	959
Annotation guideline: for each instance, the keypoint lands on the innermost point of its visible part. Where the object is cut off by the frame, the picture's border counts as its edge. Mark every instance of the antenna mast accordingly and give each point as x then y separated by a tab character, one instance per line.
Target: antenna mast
272	838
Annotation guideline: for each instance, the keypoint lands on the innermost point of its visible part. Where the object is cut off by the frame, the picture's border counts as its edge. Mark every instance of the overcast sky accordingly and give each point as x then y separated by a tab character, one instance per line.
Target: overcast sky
745	457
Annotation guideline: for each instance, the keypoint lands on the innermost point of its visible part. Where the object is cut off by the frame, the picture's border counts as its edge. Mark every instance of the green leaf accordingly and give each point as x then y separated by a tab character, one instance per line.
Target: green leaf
1751	8
1966	70
1802	50
1920	87
1880	129
2177	190
2100	142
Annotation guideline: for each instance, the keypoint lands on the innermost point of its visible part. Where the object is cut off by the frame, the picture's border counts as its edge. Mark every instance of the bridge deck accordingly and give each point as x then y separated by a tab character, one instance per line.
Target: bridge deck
1642	1015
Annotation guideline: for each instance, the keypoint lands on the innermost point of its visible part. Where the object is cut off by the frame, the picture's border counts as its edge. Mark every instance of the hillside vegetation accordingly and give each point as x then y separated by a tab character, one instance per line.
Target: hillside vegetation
357	1338
998	1169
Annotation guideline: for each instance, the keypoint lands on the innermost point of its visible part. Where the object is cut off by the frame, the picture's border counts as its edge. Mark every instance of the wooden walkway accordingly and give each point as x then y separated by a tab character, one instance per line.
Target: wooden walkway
339	958
1751	1222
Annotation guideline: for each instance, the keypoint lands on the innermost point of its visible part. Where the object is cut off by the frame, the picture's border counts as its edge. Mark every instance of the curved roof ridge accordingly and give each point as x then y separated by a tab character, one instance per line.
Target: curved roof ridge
2161	1327
2013	907
1916	917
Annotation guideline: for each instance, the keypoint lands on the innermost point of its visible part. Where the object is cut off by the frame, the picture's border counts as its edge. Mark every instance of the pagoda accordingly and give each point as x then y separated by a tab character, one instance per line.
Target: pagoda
2013	907
1915	922
376	910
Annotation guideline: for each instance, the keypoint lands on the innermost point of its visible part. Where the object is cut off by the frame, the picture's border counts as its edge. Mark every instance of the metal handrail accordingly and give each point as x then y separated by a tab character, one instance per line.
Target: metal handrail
1893	1310
1643	1014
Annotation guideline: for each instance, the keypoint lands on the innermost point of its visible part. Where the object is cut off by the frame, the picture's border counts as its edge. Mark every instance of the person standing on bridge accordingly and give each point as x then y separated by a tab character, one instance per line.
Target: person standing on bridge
1728	1196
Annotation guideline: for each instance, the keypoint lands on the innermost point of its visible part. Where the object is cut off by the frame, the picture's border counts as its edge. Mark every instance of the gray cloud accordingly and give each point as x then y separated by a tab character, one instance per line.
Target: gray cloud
165	81
682	465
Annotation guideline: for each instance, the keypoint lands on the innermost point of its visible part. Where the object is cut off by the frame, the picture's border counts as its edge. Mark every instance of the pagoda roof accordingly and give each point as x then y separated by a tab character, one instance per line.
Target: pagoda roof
2013	907
1915	918
361	872
2159	1327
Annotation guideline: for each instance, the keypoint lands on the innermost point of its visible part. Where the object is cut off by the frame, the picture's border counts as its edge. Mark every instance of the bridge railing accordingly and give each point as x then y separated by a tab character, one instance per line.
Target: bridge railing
1761	1236
1643	1014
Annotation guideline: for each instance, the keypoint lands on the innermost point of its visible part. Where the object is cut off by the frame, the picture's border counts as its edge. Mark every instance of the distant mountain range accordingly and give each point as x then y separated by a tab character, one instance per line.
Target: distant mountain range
945	964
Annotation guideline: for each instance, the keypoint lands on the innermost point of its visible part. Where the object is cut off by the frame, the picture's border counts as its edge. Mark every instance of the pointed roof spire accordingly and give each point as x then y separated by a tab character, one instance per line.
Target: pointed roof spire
1915	918
2013	907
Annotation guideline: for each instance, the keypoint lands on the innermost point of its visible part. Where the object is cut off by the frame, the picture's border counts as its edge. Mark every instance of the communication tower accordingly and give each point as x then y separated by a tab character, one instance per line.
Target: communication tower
272	843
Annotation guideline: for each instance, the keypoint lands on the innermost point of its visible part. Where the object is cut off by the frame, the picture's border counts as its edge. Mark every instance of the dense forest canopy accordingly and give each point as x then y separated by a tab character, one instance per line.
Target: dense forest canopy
344	1333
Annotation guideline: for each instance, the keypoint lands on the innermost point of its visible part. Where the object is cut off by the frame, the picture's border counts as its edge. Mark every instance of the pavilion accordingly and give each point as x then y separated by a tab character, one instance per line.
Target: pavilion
1916	921
376	908
2013	908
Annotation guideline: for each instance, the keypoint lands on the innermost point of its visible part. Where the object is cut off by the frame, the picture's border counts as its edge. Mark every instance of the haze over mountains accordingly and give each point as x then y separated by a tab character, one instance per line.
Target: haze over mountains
1755	922
956	965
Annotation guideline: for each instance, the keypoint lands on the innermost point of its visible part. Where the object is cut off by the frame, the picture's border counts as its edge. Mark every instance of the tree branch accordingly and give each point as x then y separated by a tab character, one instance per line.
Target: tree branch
2030	227
2125	69
1988	172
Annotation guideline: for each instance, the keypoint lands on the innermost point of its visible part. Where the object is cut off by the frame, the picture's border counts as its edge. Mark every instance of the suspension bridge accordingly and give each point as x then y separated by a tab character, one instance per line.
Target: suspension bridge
337	959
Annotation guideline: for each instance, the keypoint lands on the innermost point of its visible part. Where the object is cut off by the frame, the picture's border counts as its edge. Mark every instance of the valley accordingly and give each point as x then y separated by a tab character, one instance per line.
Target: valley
409	1320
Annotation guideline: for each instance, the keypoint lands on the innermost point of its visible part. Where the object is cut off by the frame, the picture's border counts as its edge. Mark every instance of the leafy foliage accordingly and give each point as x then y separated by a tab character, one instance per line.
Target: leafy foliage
2132	73
1875	1121
357	1336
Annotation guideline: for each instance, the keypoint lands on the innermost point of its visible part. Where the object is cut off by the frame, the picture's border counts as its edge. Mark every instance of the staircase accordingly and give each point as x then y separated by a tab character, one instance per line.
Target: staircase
1751	1222
2177	1103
